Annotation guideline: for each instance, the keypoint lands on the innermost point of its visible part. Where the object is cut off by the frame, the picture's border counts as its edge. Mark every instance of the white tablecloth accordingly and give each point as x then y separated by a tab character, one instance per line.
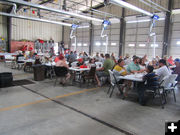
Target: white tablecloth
79	69
29	60
132	77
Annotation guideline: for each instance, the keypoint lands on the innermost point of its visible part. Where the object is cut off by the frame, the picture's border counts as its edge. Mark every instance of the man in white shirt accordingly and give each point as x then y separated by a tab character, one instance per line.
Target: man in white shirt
163	70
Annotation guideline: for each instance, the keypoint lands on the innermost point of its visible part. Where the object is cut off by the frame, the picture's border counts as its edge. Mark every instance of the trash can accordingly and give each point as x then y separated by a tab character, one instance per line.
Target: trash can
6	79
39	71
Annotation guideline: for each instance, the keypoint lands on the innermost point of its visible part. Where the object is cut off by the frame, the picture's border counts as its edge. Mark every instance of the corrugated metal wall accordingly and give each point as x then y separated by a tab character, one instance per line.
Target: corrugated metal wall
174	49
32	30
3	27
138	33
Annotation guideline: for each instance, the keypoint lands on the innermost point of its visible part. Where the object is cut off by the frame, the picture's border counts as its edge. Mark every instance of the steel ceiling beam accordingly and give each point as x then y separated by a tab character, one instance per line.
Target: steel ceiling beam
35	19
54	10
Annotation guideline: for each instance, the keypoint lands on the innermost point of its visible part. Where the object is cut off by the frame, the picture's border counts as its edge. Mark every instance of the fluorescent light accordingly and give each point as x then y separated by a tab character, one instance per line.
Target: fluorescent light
104	43
73	45
81	27
156	45
113	44
130	6
144	20
178	43
79	44
98	43
84	44
131	45
176	11
142	45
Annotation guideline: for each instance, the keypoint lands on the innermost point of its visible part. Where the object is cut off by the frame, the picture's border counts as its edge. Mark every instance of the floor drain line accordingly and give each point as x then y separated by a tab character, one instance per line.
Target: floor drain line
87	115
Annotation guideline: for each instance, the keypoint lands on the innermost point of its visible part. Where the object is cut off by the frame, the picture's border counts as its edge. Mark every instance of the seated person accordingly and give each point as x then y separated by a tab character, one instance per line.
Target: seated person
91	63
119	70
142	64
150	82
19	55
163	70
80	62
103	71
62	63
134	67
37	60
57	59
177	69
170	61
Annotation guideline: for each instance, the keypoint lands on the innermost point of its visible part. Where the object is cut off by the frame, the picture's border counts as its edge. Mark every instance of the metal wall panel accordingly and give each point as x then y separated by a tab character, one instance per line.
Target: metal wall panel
138	33
32	30
3	27
174	49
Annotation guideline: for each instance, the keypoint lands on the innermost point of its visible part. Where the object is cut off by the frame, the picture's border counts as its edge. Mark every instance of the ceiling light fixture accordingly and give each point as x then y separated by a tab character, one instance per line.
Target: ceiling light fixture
144	20
130	6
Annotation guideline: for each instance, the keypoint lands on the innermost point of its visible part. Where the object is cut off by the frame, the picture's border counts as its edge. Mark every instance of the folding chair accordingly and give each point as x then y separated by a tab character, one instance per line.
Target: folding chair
113	84
60	72
169	85
90	75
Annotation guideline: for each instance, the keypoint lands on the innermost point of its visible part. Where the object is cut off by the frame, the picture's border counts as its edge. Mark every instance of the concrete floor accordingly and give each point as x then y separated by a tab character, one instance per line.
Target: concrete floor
26	110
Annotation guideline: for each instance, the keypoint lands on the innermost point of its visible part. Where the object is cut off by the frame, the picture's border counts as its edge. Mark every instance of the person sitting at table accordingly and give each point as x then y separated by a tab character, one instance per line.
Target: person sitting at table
170	61
150	81
134	67
62	63
91	63
119	70
37	60
177	69
163	70
80	62
127	59
97	57
31	55
103	71
142	63
101	59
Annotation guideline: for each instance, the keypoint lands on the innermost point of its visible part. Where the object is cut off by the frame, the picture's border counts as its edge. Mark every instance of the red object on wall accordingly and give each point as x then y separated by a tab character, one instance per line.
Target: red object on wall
19	45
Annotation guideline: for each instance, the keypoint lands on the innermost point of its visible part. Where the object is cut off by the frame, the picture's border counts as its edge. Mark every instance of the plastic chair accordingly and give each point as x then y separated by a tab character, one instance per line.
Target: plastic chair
8	59
20	62
90	75
99	64
113	84
169	85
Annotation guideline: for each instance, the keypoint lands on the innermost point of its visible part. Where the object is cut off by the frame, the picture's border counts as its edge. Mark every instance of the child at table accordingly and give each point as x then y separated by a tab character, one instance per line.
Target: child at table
150	82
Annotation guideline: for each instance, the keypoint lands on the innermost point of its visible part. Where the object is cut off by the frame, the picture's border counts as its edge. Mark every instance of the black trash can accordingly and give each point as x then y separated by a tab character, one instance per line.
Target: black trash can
6	79
39	71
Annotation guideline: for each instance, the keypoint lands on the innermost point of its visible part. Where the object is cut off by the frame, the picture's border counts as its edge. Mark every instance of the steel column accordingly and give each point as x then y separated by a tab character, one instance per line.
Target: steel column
91	34
122	33
167	27
9	31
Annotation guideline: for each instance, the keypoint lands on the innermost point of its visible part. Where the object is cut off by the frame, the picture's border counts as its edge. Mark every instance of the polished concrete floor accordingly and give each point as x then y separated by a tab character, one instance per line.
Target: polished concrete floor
42	109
